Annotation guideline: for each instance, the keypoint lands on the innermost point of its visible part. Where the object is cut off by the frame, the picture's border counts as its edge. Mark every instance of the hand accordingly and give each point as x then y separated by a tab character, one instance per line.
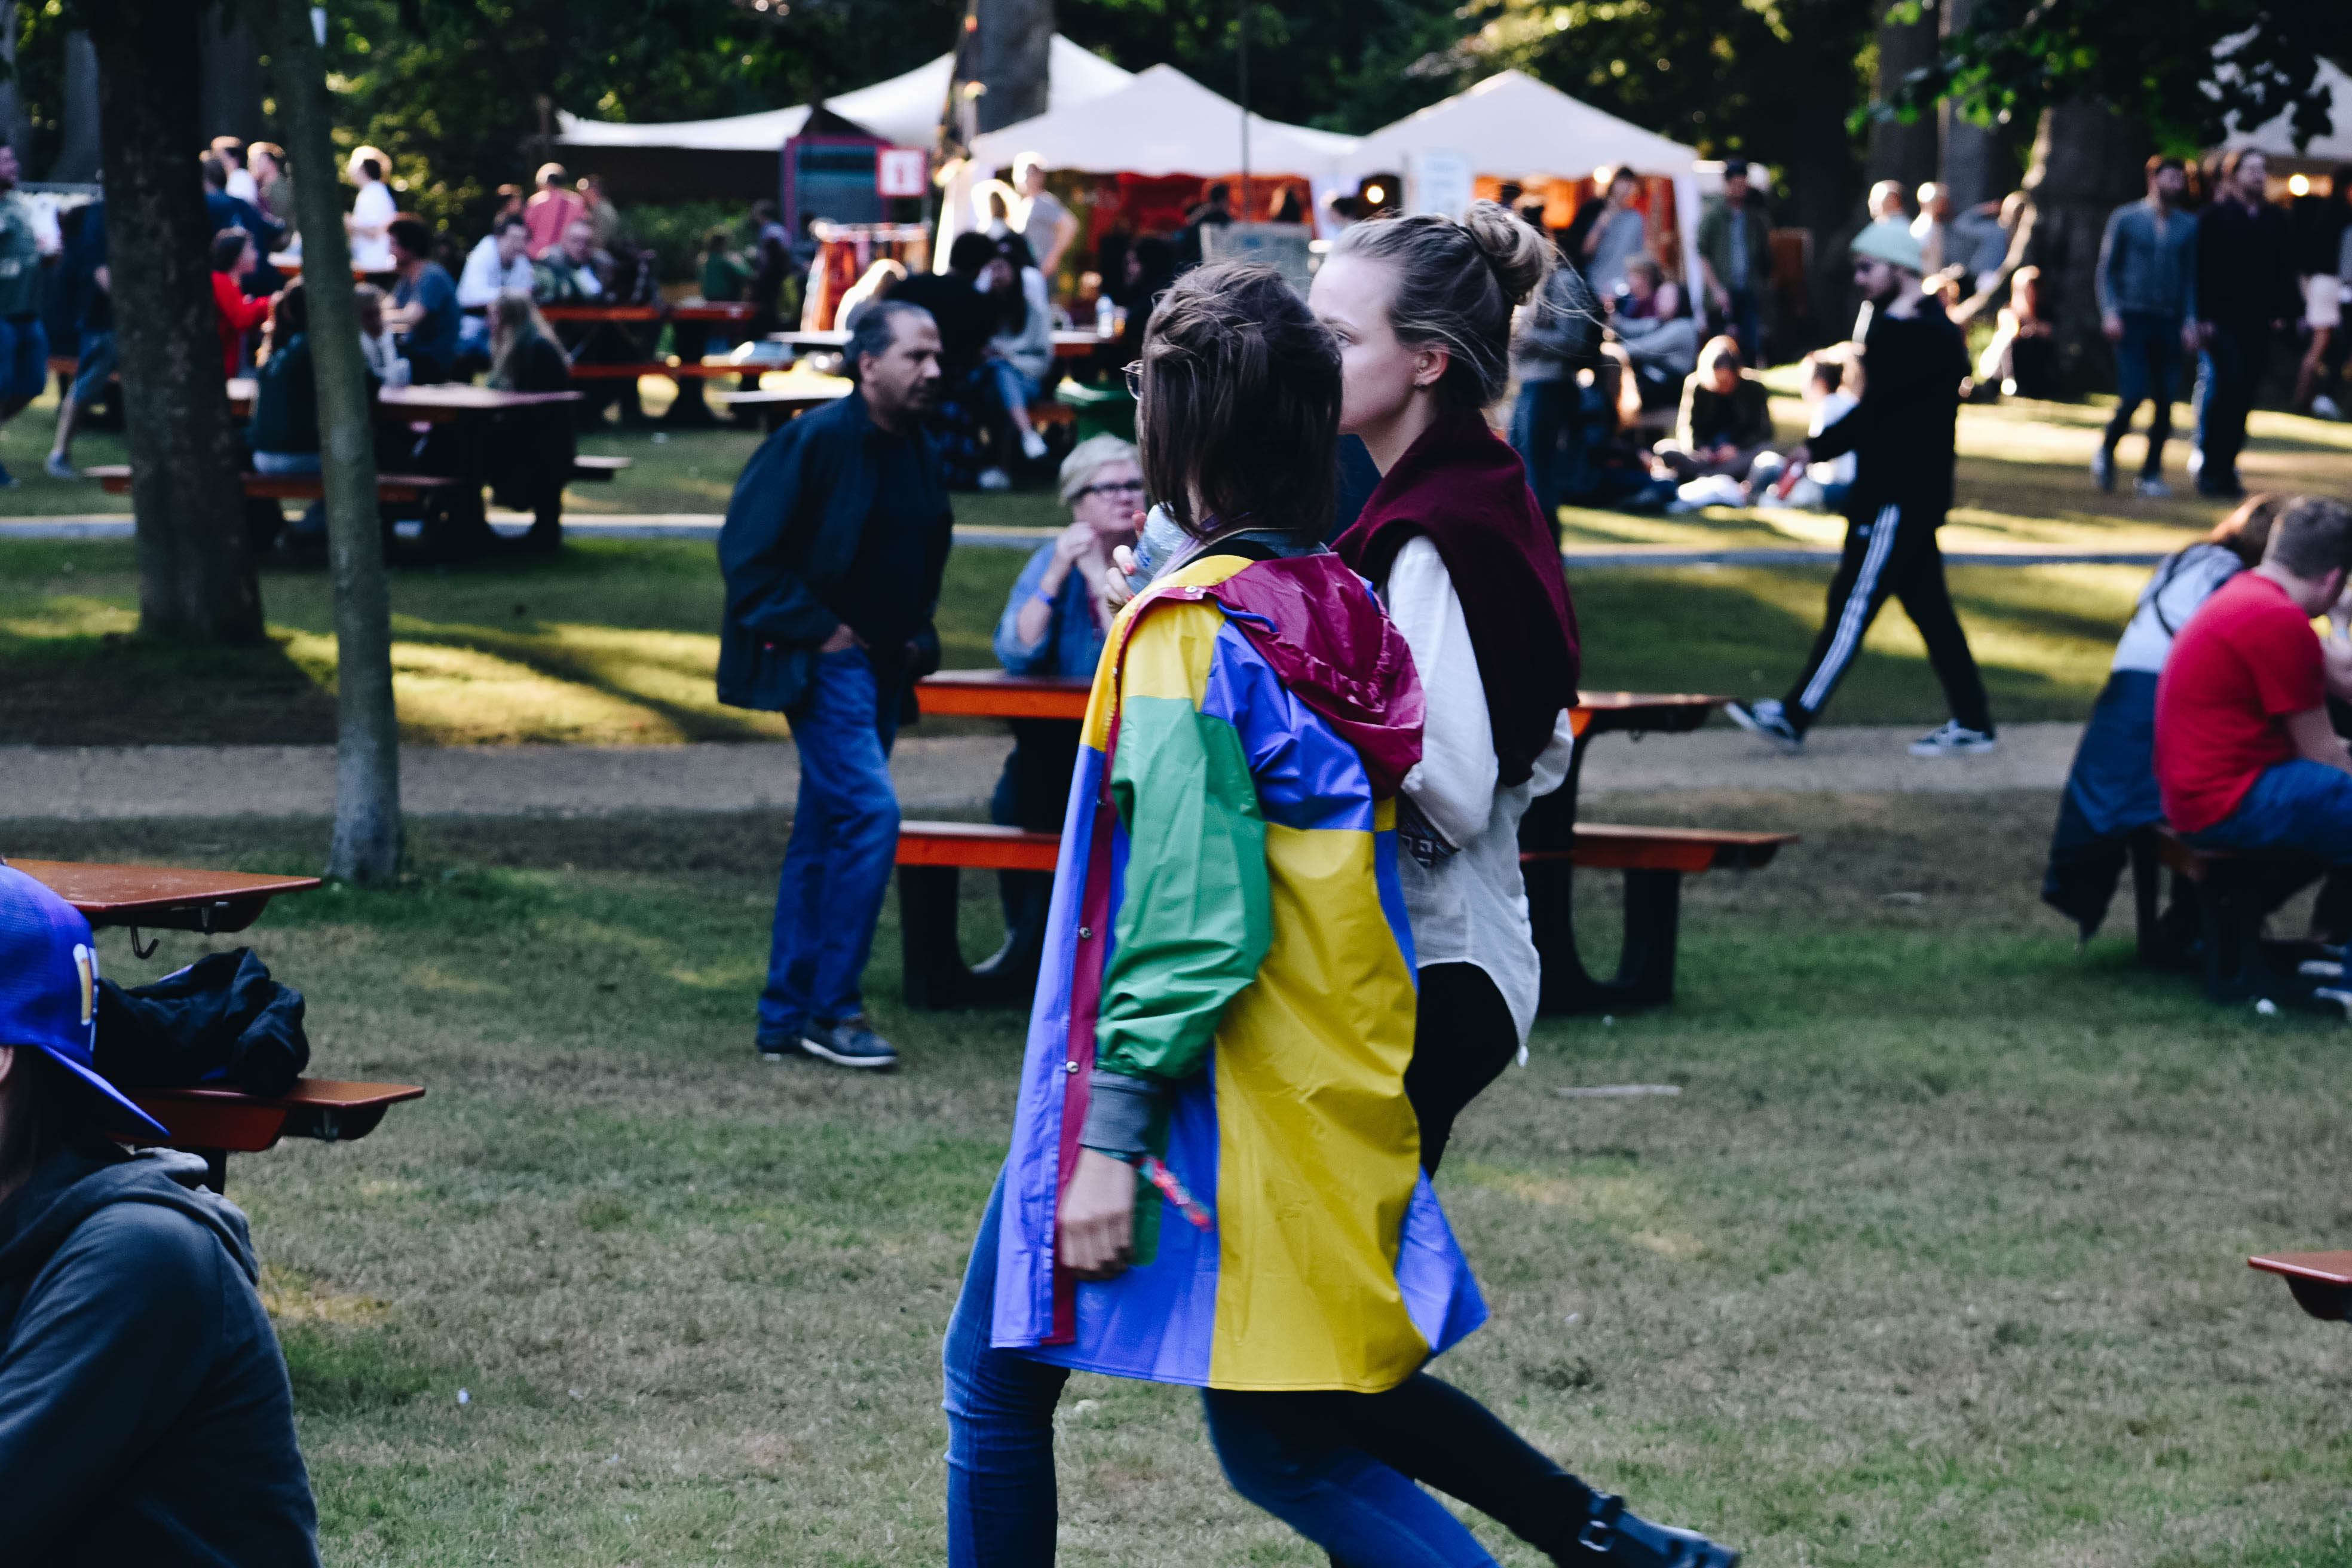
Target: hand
1722	298
842	638
1073	544
1095	1224
1115	589
2113	326
103	277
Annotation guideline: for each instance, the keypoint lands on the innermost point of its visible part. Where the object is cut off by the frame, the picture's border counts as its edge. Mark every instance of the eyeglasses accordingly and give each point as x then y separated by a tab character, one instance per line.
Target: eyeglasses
1123	488
1135	380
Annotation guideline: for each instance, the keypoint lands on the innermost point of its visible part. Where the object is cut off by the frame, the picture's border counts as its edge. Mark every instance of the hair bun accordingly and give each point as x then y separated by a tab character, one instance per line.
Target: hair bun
1520	255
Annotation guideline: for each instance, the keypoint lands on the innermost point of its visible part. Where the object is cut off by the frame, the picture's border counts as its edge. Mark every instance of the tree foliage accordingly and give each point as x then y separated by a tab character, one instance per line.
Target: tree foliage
2184	69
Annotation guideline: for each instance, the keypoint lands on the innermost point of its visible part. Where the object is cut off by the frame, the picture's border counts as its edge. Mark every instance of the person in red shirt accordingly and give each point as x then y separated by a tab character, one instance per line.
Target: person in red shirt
233	258
550	210
2245	758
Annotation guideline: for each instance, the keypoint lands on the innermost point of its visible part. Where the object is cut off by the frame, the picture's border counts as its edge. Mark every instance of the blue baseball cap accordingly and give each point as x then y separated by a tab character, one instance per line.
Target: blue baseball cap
48	990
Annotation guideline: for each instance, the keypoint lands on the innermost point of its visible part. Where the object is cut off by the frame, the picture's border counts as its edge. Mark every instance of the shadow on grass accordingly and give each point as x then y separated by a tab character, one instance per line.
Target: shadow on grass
115	690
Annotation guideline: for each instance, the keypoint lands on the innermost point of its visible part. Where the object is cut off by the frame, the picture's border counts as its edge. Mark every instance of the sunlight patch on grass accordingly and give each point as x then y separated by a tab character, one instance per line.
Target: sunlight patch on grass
64	616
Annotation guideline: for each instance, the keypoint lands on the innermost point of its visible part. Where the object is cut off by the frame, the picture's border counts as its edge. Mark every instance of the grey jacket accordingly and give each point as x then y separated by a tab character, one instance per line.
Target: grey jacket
2141	274
1558	330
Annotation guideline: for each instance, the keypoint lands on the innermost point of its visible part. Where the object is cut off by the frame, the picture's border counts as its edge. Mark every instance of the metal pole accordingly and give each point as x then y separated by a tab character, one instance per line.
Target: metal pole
1241	29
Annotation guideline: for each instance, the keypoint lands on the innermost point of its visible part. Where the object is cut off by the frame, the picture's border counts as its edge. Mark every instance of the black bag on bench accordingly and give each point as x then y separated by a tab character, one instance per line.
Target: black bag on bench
222	1022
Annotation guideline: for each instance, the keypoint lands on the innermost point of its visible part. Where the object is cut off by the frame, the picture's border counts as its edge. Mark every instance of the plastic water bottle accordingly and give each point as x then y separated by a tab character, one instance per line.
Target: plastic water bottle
1105	317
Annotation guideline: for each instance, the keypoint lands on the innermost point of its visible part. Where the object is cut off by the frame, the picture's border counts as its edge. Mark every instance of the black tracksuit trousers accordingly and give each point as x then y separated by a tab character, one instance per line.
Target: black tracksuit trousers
1892	554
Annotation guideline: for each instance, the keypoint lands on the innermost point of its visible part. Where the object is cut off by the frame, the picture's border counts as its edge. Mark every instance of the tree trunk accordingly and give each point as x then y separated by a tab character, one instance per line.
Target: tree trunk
2087	162
15	125
1899	151
231	67
1013	60
78	158
1975	167
195	578
367	839
1821	199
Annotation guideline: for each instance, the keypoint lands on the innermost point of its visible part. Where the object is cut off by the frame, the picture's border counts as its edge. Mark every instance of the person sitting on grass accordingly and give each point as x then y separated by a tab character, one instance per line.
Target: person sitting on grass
145	1414
2246	757
1832	389
234	314
2110	791
1053	624
1726	422
1646	314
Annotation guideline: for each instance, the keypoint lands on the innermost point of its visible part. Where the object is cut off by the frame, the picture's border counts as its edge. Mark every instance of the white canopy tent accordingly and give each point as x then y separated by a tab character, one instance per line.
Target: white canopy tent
2277	137
1161	122
1513	127
904	111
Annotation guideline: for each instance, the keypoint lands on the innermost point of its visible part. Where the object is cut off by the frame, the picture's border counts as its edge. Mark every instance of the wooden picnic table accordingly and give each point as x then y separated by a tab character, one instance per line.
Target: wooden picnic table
1067	345
775	408
2321	1281
215	1122
449	403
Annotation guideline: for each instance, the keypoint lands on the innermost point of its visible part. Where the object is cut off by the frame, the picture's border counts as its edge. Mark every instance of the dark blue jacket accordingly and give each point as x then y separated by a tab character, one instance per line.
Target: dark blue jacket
791	537
145	1411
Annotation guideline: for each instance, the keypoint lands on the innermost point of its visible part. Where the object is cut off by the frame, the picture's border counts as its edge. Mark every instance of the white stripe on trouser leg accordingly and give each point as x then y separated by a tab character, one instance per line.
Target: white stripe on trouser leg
1856	616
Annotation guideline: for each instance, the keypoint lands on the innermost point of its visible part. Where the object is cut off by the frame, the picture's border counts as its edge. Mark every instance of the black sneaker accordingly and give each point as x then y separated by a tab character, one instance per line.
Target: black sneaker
850	1042
1768	718
1615	1534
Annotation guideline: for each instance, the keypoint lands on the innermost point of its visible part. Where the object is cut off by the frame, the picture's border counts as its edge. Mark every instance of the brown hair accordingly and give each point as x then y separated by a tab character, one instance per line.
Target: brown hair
290	317
1240	404
227	245
1456	285
514	321
1717	349
2247	530
2311	537
44	1114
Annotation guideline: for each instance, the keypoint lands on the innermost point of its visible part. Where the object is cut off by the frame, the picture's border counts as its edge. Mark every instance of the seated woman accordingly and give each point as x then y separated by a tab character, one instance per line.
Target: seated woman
145	1411
2023	358
376	340
1832	389
530	449
1660	337
1053	624
234	314
2110	791
284	427
1019	357
1726	422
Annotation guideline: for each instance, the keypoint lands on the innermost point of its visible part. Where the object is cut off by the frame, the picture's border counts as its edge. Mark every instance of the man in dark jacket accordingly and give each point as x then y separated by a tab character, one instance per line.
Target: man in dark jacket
144	1412
2246	291
1902	435
834	547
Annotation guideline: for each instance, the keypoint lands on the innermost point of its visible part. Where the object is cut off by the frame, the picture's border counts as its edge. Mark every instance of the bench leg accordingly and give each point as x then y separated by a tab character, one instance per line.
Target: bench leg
1568	987
1645	974
935	972
215	1170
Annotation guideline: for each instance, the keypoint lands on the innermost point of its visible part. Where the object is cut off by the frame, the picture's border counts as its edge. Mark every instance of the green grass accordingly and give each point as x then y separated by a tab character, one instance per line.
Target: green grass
615	643
1937	1258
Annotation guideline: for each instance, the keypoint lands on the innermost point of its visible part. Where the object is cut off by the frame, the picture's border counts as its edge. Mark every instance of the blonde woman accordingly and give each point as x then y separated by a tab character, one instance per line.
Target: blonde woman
531	449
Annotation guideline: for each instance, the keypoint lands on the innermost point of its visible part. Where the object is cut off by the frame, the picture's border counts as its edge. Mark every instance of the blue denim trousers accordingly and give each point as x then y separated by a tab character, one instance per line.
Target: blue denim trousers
844	838
1543	421
24	361
1279	1451
2301	807
2147	369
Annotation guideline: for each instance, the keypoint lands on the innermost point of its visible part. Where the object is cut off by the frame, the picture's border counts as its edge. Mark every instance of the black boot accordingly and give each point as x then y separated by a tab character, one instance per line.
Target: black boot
1615	1534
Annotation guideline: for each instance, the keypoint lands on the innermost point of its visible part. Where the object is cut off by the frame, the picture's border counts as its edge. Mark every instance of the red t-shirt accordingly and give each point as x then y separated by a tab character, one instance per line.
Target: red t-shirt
2246	659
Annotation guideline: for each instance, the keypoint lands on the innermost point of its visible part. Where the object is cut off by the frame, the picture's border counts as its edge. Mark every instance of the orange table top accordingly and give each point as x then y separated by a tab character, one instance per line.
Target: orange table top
2324	1268
162	898
327	1109
993	694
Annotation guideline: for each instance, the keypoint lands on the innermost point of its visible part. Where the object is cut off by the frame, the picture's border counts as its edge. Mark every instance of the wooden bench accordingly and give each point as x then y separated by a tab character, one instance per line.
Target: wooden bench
599	471
2229	895
219	1122
630	370
775	409
1654	860
2321	1281
400	488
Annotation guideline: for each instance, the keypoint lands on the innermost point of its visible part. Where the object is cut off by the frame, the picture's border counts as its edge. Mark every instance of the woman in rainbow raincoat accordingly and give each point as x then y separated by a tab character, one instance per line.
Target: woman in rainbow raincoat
1227	993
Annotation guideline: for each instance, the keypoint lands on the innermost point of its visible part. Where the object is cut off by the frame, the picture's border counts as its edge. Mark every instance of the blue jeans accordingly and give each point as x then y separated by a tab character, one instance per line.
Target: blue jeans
2148	368
1002	1505
1542	419
474	337
2300	807
2229	375
93	368
1744	322
24	361
845	837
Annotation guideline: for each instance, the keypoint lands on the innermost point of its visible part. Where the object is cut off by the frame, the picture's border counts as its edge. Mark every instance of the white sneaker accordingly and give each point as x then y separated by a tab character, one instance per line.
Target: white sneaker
1954	740
2154	490
2324	406
2103	469
1032	446
995	479
1767	718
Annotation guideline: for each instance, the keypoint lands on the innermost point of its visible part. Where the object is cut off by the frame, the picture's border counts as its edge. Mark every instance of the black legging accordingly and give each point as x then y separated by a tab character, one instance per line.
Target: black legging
1424	1428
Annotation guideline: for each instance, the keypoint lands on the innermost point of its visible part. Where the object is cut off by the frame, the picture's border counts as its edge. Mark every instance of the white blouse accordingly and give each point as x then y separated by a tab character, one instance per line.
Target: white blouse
1471	906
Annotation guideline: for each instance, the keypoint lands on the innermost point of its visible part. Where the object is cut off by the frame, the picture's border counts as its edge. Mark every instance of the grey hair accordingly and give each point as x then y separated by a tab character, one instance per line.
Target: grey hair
871	331
1089	457
1456	285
